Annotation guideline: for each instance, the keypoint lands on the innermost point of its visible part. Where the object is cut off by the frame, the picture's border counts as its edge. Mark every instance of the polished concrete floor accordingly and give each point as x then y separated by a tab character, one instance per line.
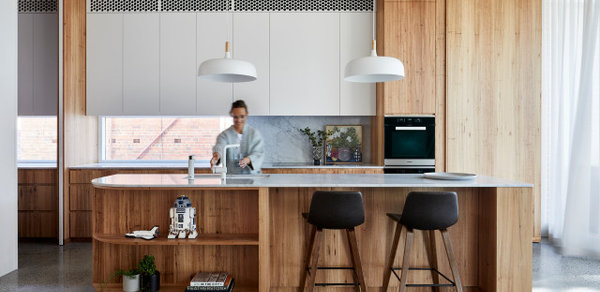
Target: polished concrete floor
48	267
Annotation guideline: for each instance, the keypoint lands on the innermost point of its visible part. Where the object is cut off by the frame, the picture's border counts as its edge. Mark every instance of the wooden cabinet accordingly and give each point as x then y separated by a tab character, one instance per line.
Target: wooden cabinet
178	73
38	64
213	98
251	43
410	35
104	64
140	64
38	203
356	99
305	75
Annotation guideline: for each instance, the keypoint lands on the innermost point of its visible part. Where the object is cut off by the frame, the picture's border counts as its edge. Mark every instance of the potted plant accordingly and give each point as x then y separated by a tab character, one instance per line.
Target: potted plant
316	140
131	279
149	275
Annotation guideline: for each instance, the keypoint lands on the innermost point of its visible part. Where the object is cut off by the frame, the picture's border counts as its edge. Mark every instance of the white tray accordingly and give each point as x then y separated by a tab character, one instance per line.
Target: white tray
449	175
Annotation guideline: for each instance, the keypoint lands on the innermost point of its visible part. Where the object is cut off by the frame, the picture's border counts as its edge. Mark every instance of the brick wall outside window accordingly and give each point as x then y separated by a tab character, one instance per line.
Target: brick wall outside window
163	138
36	138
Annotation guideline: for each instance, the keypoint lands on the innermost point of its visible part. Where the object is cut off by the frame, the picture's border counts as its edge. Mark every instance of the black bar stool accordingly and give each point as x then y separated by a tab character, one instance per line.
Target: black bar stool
333	210
425	211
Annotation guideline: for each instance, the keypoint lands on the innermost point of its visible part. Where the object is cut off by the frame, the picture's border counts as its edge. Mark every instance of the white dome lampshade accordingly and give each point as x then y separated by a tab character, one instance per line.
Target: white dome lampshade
373	69
227	69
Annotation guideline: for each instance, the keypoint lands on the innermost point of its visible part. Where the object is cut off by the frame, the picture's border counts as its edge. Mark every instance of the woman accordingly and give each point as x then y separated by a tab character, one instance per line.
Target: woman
250	140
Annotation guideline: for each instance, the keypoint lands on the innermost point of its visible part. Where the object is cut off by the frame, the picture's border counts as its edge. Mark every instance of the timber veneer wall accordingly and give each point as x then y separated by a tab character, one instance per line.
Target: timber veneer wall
476	65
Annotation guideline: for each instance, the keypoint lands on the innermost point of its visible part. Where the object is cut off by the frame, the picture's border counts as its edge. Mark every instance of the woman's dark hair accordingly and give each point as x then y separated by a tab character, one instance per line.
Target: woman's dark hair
238	104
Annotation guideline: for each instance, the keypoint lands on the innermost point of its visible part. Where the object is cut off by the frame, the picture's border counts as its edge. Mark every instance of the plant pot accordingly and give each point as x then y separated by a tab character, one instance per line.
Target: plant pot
151	283
317	154
131	284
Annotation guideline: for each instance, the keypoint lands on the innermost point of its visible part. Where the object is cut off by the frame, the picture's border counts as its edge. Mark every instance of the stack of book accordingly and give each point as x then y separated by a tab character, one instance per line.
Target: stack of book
211	282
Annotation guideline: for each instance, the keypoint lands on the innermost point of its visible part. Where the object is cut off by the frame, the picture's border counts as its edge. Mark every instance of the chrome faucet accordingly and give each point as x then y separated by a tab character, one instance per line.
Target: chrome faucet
223	168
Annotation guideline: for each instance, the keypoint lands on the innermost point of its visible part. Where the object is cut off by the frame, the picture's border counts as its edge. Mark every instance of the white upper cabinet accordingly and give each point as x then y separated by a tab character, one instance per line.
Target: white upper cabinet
251	43
213	29
146	63
140	64
178	70
305	62
356	99
104	64
38	64
25	64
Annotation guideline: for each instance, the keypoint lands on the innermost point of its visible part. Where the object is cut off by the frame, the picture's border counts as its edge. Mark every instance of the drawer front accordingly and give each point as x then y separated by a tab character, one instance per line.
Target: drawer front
38	176
38	224
80	224
80	197
38	197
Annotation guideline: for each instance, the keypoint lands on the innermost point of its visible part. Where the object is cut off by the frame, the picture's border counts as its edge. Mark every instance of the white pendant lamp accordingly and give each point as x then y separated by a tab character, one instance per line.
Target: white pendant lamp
373	68
227	69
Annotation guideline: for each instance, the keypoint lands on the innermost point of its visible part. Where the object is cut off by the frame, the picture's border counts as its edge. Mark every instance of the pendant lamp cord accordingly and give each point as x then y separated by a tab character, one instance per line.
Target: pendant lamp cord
373	17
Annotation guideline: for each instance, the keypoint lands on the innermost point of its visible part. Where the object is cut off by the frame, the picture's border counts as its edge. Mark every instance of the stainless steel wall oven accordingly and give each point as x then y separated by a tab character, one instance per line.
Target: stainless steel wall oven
409	144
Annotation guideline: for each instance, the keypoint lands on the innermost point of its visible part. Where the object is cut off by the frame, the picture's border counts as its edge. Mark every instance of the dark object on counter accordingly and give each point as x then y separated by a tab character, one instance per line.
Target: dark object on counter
333	210
428	211
150	277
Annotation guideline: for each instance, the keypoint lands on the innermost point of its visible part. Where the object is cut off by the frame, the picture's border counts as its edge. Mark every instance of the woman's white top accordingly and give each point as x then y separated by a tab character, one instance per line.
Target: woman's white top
251	146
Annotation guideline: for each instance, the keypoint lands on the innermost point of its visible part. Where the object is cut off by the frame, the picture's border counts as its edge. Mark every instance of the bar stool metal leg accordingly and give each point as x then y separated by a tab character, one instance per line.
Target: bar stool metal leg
452	260
433	263
390	265
356	259
406	259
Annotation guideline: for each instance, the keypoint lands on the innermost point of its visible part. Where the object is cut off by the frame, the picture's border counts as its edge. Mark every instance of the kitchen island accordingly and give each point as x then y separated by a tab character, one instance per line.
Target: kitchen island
251	226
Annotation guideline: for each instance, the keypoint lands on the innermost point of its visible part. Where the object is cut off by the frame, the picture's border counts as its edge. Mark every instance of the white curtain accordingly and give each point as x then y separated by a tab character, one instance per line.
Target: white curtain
571	125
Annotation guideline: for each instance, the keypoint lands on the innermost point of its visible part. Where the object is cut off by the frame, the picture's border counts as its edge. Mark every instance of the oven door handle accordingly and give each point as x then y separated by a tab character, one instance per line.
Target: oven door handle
411	128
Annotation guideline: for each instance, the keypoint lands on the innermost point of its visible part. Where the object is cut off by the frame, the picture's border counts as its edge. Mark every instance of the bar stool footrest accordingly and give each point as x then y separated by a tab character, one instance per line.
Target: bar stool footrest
451	284
335	284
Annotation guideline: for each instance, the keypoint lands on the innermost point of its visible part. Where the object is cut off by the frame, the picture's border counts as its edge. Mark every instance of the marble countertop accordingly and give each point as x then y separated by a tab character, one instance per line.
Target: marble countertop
294	180
200	165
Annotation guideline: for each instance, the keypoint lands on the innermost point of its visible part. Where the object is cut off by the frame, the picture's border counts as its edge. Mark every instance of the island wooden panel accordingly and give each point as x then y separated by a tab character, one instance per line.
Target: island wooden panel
81	189
493	103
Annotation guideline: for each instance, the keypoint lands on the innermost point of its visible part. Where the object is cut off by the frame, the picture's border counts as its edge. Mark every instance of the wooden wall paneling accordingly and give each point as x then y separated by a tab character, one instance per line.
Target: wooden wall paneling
493	103
377	122
440	85
409	30
289	236
80	132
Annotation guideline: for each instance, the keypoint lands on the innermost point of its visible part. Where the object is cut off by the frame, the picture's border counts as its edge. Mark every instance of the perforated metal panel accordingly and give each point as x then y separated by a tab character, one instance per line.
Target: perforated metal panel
124	5
304	5
37	6
195	5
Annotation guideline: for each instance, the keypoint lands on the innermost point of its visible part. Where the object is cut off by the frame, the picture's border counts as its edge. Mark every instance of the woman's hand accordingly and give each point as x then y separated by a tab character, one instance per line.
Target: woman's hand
214	160
244	162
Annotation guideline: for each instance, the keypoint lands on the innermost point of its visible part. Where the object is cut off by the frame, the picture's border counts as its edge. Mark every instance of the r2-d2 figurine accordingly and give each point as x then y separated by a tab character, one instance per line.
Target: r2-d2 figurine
183	219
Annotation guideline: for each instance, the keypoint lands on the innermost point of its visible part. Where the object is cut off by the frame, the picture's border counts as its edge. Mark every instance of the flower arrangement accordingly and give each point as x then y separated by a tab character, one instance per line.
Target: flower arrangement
316	139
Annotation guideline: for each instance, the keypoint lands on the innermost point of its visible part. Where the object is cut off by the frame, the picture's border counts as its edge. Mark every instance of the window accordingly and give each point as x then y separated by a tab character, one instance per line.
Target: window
159	138
36	139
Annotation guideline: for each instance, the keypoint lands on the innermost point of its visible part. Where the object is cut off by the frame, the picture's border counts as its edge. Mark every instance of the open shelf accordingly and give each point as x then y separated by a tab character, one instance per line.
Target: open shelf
163	288
202	239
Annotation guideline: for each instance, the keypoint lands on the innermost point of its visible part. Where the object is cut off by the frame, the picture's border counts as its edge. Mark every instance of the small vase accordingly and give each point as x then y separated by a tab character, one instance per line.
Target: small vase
317	154
151	283
131	284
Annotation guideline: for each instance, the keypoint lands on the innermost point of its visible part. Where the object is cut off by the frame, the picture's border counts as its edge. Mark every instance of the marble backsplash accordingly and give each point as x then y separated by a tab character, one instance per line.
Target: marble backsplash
284	143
